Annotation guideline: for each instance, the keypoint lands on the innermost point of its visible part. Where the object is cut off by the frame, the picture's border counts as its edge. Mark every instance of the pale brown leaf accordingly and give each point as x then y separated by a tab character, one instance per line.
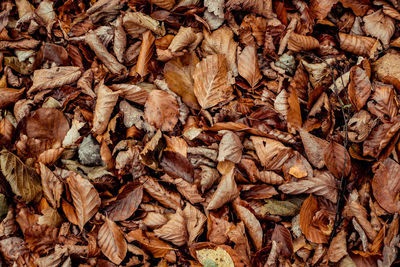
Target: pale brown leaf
359	88
298	42
85	198
321	8
112	241
272	153
195	220
167	198
382	103
52	186
9	96
337	160
313	146
136	23
230	147
174	230
211	84
379	26
186	37
50	156
157	247
338	249
260	7
146	51
359	45
161	110
208	177
248	65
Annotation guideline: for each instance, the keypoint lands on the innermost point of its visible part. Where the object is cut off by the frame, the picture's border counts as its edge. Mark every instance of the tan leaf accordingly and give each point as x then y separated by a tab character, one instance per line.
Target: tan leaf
221	42
208	177
386	186
379	26
112	242
54	77
272	153
167	198
359	45
6	132
337	160
214	14
186	37
298	42
270	177
101	52
136	23
230	147
131	92
178	73
253	226
69	212
174	230
128	200
146	52
338	249
322	184
165	4
307	212
260	7
359	88
9	96
150	242
386	69
50	217
187	189
321	8
52	186
383	103
154	220
248	66
176	144
85	198
119	40
23	180
294	113
226	191
313	146
161	110
50	156
211	84
195	220
359	7
361	215
106	100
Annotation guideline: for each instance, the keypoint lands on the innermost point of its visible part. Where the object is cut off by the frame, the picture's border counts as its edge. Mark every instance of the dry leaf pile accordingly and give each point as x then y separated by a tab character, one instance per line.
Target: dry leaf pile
199	133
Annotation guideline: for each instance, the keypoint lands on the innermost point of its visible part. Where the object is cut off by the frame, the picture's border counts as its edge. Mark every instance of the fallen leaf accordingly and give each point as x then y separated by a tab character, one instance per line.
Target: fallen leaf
157	247
112	241
9	96
260	7
338	249
195	220
382	103
359	88
146	51
52	186
320	9
359	45
313	147
248	66
272	153
211	84
85	198
217	257
186	37
174	230
298	42
23	180
359	7
290	207
379	26
337	160
167	198
230	147
161	110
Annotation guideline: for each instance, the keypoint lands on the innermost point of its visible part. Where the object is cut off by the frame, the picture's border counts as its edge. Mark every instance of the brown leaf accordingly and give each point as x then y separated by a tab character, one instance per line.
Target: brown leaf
294	113
262	191
338	249
323	184
379	26
169	199
382	139
186	37
385	185
272	153
9	96
106	100
50	156
360	126
101	52
208	177
161	110
146	52
221	42
282	236
112	241
188	190
320	9
218	226
383	103
195	220
177	166
298	42
150	242
359	88
136	23
178	73
248	66
165	4
131	92
211	84
230	147
337	160
307	212
359	45
359	7
54	77
361	214
128	200
52	186
313	147
260	7
386	70
85	198
226	191
174	230
119	40
253	226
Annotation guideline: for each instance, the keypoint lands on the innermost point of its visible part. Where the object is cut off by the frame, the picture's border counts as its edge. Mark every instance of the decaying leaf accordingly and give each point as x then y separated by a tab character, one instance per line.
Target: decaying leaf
161	110
298	42
337	160
271	153
112	241
52	186
174	230
248	66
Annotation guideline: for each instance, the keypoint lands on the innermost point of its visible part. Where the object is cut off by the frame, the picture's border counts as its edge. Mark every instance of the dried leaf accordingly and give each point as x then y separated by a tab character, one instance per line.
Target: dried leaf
383	103
230	147
337	160
313	147
379	26
359	7
54	77
136	23
9	96
359	87
112	241
320	9
338	249
307	212
186	37
359	45
290	207
260	7
211	84
161	110
145	54
23	180
128	200
52	186
174	230
298	42
248	66
195	220
272	153
169	199
157	247
85	198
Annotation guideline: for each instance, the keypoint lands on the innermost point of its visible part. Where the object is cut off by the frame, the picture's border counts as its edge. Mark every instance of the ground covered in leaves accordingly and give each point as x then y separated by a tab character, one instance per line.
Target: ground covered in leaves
199	133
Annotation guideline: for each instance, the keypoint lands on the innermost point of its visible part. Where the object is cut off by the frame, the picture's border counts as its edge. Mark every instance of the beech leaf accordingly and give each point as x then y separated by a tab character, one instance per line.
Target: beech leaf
112	241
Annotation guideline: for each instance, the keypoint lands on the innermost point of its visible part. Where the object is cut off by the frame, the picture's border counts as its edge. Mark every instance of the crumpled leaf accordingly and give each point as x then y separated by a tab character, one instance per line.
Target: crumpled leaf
214	257
290	207
322	184
321	8
272	153
386	69
248	66
226	191
136	23
52	186
382	102
298	42
186	37
174	230
126	203
338	249
167	198
85	198
230	147
379	26
260	7
359	45
9	96
161	110
211	84
106	100
112	242
23	180
54	77
157	247
214	13
313	147
195	220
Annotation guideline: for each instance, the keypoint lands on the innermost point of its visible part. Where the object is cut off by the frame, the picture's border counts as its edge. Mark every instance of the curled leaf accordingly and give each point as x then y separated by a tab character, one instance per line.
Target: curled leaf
298	42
